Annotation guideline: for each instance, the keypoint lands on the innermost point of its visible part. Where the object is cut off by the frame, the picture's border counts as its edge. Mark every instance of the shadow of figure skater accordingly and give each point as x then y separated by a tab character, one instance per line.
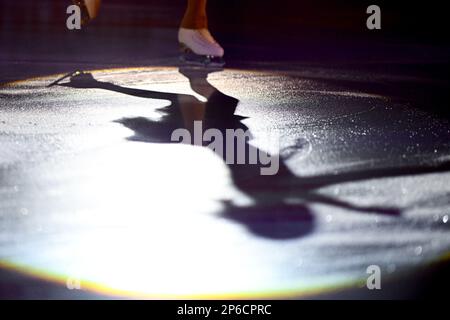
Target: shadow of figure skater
281	202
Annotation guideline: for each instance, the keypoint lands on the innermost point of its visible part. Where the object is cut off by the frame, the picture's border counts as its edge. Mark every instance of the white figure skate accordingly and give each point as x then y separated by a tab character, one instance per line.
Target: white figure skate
198	47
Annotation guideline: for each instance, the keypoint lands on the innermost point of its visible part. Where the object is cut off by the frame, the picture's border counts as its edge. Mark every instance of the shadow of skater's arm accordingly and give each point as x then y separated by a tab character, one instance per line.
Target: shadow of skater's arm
326	180
346	205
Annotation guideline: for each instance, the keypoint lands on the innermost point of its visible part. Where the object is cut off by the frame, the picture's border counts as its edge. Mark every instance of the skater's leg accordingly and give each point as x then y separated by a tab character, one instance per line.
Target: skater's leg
93	7
195	16
89	8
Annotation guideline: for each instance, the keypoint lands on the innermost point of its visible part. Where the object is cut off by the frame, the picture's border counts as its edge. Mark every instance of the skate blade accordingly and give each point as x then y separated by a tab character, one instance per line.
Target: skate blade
202	63
190	58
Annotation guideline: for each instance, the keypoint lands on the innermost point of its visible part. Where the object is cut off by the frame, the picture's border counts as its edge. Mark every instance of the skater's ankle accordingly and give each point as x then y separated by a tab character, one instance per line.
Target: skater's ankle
200	22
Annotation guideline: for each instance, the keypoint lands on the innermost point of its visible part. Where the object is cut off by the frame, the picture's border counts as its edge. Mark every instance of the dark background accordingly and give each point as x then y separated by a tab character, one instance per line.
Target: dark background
424	20
259	30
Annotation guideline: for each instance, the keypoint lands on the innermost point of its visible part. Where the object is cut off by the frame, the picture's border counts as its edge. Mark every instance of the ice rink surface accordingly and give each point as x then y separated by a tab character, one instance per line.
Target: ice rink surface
95	195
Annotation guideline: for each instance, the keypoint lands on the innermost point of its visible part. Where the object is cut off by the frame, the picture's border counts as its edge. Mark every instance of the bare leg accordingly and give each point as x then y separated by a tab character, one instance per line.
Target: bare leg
93	6
89	9
195	16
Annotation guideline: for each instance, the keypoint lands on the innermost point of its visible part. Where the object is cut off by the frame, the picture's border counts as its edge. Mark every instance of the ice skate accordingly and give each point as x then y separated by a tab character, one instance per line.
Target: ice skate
199	48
